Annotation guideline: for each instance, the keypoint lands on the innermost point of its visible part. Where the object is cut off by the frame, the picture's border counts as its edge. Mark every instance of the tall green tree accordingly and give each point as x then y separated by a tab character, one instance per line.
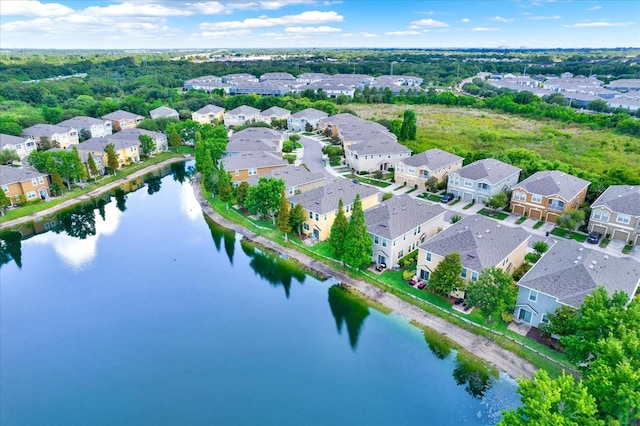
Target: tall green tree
242	191
147	145
283	219
4	200
208	170
7	156
446	277
224	184
112	158
498	201
93	169
297	218
264	197
557	402
571	219
494	292
80	170
337	237
409	126
56	183
358	243
175	140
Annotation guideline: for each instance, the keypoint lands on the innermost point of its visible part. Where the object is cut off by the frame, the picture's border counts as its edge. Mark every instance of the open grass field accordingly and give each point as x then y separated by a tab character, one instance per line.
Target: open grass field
480	130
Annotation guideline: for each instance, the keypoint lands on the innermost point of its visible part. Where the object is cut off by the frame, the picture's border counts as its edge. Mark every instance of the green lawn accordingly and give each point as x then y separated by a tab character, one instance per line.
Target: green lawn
627	249
604	243
370	181
494	215
572	235
521	220
538	225
454	202
411	190
431	197
468	206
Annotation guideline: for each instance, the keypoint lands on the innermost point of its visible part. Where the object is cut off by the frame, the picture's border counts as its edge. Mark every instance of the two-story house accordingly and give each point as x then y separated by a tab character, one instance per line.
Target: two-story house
133	135
548	194
241	115
416	169
208	114
243	165
274	113
481	242
566	274
122	120
296	179
298	122
21	145
482	179
255	139
127	150
321	205
22	184
616	213
64	137
398	225
96	127
164	112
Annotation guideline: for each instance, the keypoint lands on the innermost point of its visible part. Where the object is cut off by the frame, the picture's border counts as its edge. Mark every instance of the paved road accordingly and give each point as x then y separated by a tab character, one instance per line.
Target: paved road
313	156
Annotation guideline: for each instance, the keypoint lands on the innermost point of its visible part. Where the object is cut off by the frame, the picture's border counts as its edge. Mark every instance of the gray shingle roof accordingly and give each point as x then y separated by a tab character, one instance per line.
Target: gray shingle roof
623	199
81	122
257	133
489	169
47	130
122	115
99	144
134	134
241	145
310	114
163	111
252	159
292	176
399	215
481	241
378	146
553	182
432	159
9	174
569	272
274	110
210	109
10	140
244	110
325	199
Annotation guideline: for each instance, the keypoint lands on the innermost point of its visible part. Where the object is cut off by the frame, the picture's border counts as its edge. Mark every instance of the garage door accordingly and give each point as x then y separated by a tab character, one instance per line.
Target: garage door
620	235
535	214
481	199
518	210
467	197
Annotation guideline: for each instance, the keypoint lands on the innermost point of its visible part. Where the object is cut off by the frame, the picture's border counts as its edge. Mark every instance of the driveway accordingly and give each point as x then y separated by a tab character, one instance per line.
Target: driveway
313	156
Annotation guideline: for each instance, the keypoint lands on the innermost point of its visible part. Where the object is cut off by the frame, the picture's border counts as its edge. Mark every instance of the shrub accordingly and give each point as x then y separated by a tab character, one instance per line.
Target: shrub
291	158
532	257
506	317
407	275
386	196
287	146
455	218
441	186
377	174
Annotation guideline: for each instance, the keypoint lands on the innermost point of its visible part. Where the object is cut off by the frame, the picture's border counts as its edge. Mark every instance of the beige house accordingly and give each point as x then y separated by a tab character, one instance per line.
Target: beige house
245	165
121	120
21	184
64	137
321	205
255	139
415	170
398	225
22	145
241	115
132	136
616	214
127	150
208	114
548	194
297	179
274	113
481	243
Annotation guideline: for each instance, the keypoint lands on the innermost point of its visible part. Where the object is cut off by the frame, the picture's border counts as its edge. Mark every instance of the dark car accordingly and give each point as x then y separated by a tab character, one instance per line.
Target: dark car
594	237
447	197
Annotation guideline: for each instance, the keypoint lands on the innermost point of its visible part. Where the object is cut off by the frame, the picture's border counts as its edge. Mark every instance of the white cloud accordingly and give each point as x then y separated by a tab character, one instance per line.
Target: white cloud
33	8
402	33
600	24
485	29
312	30
465	20
543	18
225	34
136	9
594	8
209	8
428	23
365	35
309	18
501	19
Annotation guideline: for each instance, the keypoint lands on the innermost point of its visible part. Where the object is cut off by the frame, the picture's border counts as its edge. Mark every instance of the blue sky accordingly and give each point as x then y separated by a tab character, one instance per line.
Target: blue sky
157	24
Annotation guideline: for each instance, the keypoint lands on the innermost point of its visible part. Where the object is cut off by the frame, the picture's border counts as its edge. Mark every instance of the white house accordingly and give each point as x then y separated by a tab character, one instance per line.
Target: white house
482	179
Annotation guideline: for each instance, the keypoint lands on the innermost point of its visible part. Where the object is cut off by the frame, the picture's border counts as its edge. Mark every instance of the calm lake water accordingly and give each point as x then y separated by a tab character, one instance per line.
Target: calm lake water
138	311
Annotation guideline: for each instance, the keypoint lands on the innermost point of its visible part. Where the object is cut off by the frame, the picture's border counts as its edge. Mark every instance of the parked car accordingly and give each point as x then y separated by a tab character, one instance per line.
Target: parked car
446	198
594	237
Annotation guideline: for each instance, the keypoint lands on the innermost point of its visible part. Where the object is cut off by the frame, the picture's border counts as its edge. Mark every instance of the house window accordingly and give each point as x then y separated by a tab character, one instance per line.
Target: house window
384	242
310	215
317	217
253	172
456	181
31	195
428	256
533	295
605	215
40	180
474	276
463	274
596	214
34	181
325	217
468	183
544	319
412	169
291	191
5	188
525	315
536	198
305	226
376	239
623	219
400	254
18	146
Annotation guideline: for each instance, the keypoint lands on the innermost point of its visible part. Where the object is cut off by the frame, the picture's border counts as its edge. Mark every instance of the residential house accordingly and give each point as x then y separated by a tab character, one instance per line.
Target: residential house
164	112
398	226
96	127
97	160
241	115
548	194
22	184
133	135
127	149
208	83
274	113
208	114
298	121
22	145
616	213
566	274
482	179
64	137
122	120
255	139
481	242
321	205
244	165
297	179
416	169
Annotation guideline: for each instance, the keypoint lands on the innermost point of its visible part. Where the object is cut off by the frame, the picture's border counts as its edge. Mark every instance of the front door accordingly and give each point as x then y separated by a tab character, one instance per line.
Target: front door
424	275
525	315
43	193
381	259
316	234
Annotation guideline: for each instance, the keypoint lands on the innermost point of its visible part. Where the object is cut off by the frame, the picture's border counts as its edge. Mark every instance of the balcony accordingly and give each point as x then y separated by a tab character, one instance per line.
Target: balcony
556	206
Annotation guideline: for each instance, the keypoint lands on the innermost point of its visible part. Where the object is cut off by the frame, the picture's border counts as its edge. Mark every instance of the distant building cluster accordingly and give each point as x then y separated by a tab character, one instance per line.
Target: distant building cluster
282	83
578	90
